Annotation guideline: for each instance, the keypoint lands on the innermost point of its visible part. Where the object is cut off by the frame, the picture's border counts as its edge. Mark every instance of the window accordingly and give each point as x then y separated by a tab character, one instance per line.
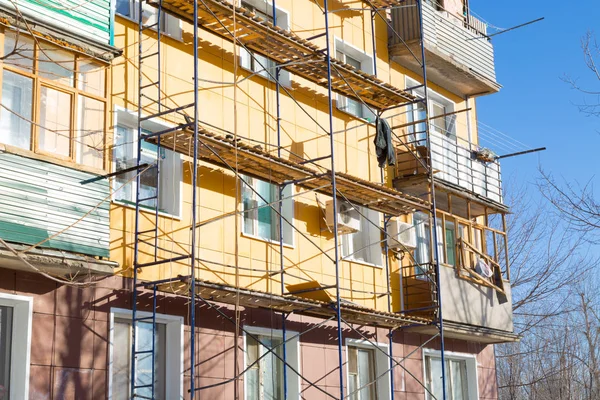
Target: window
168	356
361	374
364	245
368	370
358	59
257	63
422	252
168	181
438	106
67	90
169	24
264	379
461	375
15	340
259	219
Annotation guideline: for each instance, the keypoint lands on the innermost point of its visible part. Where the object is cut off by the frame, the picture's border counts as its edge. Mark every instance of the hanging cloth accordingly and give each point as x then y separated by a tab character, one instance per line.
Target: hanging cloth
383	144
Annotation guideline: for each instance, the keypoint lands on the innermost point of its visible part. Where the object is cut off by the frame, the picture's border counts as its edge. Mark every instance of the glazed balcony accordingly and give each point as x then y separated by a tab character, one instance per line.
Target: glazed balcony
459	54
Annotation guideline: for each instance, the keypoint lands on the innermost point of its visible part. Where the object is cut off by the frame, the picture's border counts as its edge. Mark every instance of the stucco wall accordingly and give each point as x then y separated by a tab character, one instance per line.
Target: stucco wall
474	304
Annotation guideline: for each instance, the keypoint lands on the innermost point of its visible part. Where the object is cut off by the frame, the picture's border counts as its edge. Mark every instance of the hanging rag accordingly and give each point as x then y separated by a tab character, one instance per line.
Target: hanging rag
383	144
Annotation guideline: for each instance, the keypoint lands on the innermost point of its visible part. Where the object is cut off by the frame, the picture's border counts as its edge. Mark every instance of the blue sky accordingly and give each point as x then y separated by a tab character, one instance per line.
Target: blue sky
534	106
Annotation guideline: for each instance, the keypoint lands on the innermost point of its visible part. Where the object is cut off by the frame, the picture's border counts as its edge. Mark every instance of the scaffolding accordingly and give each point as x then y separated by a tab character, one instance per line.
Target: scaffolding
213	145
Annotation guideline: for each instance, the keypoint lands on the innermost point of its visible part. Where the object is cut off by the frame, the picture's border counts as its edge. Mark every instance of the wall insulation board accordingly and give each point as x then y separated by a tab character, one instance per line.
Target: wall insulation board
39	199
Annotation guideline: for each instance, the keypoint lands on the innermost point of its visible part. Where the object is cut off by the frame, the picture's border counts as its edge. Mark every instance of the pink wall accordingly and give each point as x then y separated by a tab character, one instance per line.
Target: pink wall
69	350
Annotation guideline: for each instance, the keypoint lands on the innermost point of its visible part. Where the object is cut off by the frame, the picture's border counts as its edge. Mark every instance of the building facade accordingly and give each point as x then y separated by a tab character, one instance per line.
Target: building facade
246	202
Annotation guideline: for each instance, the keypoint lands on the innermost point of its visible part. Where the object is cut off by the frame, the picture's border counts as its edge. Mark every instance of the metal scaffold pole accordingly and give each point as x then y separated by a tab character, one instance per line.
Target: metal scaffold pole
338	299
194	216
433	216
280	206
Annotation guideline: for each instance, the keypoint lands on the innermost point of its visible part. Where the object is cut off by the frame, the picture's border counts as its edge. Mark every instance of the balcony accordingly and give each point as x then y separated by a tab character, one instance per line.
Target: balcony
459	55
47	204
457	170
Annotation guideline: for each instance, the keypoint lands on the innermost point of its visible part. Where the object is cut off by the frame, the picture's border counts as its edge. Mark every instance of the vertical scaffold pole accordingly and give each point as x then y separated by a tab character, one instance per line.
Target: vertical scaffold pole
433	227
280	209
194	206
335	200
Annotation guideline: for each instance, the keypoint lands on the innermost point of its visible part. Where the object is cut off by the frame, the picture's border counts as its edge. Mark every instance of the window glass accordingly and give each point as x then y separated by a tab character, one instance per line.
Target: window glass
16	111
90	136
457	383
259	219
364	245
265	379
122	360
18	50
55	123
351	106
450	243
361	371
91	77
123	7
54	129
56	64
439	124
6	327
168	24
125	156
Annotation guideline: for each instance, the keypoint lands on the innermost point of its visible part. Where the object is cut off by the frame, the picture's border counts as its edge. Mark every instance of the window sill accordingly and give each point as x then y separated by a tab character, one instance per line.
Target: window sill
372	123
51	159
146	210
268	241
360	262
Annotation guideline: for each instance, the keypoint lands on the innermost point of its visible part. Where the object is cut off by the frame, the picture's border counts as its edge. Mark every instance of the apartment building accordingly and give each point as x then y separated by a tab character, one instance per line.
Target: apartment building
244	210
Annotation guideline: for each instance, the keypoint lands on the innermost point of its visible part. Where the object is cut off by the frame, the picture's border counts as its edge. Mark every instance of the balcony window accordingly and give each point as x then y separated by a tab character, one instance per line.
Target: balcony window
169	25
422	252
257	63
348	54
53	101
166	180
259	219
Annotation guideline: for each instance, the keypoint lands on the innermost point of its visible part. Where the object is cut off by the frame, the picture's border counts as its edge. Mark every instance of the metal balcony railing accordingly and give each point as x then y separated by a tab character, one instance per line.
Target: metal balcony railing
459	166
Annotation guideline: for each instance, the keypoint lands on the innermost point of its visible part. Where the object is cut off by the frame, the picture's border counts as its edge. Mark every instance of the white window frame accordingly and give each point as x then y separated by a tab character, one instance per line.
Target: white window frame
382	363
174	351
294	385
283	21
290	245
471	362
434	97
172	25
20	343
367	65
128	118
348	251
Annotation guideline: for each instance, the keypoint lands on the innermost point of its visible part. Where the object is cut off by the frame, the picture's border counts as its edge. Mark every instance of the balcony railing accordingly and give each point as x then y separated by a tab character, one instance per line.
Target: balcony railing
455	164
